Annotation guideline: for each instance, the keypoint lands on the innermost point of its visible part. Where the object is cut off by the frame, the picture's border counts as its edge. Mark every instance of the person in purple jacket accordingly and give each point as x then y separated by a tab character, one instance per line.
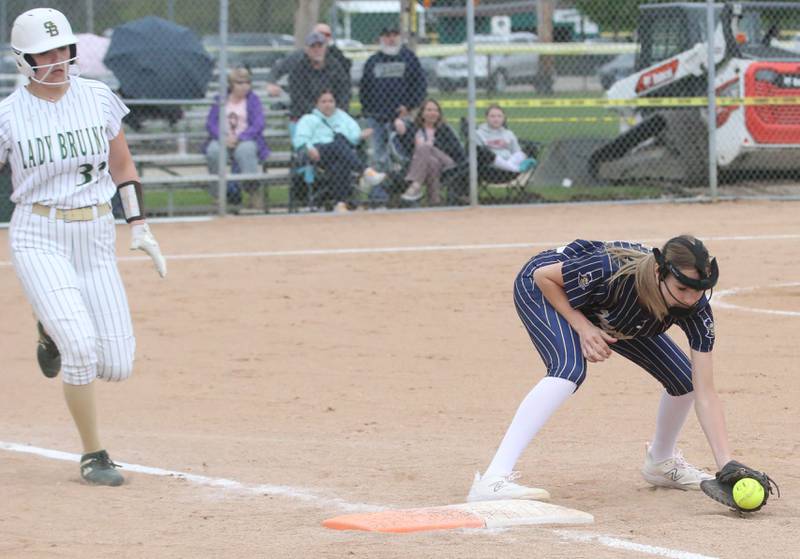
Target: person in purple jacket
245	139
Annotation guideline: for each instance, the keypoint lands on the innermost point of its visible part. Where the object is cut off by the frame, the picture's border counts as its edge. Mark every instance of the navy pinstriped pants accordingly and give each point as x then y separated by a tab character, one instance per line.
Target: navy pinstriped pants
560	348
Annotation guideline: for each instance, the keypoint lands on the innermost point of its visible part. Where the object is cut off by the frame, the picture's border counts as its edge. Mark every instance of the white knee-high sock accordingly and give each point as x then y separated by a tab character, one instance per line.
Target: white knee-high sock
672	413
537	407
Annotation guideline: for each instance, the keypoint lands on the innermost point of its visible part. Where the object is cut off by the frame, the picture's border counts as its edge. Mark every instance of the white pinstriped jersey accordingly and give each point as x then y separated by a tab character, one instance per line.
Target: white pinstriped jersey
614	307
59	150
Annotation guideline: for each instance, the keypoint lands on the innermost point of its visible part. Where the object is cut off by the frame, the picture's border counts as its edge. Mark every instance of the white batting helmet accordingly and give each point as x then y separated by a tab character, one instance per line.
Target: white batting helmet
40	30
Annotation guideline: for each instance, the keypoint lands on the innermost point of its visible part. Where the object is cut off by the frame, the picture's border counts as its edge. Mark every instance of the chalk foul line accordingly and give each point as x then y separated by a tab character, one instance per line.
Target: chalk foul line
307	496
300	494
719	301
410	249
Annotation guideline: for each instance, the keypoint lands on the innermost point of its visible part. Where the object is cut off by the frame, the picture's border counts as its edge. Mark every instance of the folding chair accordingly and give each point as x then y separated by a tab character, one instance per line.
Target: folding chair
491	178
311	182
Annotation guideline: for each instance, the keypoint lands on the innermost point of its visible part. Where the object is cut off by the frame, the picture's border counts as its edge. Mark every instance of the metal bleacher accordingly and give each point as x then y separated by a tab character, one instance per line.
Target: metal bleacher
169	156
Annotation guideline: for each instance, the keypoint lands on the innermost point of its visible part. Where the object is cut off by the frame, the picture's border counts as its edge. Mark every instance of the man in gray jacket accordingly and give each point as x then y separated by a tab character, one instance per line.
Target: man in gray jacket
285	65
312	74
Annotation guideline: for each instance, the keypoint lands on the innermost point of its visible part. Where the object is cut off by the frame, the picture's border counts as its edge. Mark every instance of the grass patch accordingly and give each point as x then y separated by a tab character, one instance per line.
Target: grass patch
159	200
190	200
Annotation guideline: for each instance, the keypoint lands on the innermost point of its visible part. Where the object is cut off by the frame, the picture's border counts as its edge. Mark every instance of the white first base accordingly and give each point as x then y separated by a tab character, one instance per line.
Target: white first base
497	514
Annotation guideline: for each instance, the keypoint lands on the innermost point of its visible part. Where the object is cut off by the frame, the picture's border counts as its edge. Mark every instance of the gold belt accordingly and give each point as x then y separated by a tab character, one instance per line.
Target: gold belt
76	214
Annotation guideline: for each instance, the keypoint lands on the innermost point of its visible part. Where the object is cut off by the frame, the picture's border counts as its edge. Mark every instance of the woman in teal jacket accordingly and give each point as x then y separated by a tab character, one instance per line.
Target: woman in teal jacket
329	136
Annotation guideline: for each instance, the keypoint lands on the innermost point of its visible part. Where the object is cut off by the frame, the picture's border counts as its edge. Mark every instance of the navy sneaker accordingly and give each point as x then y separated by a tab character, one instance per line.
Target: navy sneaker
98	469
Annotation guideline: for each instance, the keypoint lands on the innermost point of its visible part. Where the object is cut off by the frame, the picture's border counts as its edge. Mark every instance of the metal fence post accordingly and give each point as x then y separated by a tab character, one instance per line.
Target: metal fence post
472	156
712	101
222	160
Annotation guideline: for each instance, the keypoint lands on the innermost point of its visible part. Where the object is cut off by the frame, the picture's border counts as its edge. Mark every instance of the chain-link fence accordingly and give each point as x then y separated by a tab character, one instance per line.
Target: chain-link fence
575	100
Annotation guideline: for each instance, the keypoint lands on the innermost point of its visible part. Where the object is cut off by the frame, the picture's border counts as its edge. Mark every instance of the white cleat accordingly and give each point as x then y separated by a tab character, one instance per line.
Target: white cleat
498	488
674	472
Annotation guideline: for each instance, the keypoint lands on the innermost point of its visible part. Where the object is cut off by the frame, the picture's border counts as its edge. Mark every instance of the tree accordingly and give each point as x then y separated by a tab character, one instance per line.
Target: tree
616	16
306	16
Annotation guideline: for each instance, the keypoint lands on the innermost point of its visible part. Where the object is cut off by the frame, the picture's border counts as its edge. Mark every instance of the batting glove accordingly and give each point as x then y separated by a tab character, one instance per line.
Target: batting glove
143	239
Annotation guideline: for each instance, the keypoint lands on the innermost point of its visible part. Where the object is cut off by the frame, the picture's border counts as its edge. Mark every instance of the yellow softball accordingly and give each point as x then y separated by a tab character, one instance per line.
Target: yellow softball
748	493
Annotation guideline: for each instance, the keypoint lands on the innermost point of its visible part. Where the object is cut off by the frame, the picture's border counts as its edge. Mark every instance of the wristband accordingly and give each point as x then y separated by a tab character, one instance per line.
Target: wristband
131	195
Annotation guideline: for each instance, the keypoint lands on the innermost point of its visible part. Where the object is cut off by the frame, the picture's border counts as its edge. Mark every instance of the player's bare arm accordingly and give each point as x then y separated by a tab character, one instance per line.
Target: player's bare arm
594	342
708	407
123	171
120	162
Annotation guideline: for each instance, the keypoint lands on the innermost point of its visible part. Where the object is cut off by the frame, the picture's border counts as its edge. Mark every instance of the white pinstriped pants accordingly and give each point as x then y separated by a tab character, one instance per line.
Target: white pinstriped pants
69	273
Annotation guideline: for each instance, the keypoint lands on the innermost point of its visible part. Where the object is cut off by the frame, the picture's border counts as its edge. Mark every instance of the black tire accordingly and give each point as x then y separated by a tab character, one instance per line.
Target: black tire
686	135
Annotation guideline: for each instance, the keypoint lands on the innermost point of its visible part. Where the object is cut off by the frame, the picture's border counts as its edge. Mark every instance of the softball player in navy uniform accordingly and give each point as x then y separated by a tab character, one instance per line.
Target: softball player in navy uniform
583	301
62	136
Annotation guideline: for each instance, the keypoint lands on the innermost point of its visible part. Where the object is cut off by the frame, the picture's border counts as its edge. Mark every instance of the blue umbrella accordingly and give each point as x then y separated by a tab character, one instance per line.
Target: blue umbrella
155	58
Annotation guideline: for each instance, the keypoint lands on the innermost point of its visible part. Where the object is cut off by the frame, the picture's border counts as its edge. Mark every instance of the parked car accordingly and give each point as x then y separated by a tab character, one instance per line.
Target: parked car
429	65
621	66
492	71
248	49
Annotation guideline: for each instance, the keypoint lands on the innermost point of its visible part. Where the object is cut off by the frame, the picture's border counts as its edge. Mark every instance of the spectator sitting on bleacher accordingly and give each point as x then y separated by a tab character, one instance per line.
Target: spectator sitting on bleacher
329	136
313	74
285	65
434	147
245	138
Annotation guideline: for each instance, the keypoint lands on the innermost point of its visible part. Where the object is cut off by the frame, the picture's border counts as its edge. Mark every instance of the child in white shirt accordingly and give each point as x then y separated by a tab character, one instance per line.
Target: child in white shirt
494	135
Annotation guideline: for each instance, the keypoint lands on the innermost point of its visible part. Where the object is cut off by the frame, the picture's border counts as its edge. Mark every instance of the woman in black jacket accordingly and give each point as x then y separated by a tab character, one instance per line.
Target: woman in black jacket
435	149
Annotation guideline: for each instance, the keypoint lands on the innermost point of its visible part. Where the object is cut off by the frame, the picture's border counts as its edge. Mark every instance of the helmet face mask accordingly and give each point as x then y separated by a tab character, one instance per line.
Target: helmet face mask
708	274
38	31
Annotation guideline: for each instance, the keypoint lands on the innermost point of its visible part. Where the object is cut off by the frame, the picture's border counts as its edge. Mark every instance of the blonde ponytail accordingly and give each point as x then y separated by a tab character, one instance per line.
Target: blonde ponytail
641	265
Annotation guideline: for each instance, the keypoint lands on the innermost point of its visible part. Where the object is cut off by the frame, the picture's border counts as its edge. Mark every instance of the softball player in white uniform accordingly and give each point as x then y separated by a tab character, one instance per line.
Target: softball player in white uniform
62	136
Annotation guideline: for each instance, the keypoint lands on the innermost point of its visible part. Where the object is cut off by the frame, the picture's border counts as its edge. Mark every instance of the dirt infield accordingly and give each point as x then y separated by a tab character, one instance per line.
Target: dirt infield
327	364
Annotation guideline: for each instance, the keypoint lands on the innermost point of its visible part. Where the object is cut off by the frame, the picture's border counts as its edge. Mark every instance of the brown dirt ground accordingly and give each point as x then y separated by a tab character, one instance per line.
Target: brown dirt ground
388	378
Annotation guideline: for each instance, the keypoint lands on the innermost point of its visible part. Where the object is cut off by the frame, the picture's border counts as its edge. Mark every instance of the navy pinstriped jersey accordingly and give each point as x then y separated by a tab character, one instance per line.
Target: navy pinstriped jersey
614	307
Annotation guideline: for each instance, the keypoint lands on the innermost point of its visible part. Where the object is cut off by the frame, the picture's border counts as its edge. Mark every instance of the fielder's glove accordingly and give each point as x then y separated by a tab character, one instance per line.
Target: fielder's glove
143	239
721	488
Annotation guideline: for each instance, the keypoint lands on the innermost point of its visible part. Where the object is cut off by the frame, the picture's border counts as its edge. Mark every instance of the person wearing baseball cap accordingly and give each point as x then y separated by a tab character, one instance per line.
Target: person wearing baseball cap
315	38
285	65
314	73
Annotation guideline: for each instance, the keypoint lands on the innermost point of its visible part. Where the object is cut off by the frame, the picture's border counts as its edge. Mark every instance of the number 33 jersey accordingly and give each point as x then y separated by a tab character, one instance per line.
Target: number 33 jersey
59	151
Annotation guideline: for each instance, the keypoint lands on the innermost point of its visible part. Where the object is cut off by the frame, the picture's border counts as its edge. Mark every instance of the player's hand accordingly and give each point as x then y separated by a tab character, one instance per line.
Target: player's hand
594	343
143	239
313	154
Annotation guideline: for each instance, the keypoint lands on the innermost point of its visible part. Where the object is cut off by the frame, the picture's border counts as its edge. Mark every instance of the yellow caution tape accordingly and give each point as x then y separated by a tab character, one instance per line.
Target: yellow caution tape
555	49
566	119
442	50
546	103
